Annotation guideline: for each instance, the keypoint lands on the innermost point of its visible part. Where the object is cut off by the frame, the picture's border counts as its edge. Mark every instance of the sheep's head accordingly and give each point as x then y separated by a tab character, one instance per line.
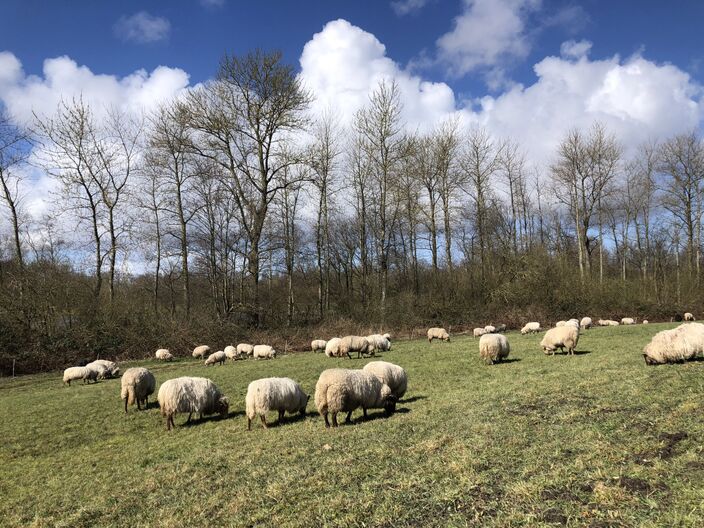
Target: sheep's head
390	404
222	406
305	404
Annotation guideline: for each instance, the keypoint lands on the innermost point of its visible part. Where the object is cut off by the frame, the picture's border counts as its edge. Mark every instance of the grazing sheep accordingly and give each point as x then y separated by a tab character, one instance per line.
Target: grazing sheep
164	355
586	322
318	345
493	348
438	333
274	394
388	336
137	384
344	390
490	329
531	328
201	351
379	342
332	348
688	316
355	344
80	373
191	395
264	352
231	352
628	321
560	337
560	323
393	375
607	322
101	371
243	349
676	345
501	328
645	321
110	366
478	332
216	357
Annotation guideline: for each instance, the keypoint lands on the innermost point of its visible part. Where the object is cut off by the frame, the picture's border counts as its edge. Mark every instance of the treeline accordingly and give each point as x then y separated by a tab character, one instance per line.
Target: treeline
240	212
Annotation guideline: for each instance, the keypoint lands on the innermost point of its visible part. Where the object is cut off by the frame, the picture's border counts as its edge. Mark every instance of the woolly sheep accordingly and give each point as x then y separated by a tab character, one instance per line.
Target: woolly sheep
388	336
531	328
231	352
164	355
80	373
490	329
318	345
607	322
200	351
676	345
357	344
501	327
112	369
688	316
560	337
493	348
264	352
191	395
332	348
478	332
628	321
586	322
136	385
379	342
438	333
274	394
645	321
245	349
393	375
344	390
216	357
100	370
560	323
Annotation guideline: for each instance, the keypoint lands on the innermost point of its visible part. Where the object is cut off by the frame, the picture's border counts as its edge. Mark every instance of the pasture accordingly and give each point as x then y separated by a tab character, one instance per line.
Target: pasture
596	439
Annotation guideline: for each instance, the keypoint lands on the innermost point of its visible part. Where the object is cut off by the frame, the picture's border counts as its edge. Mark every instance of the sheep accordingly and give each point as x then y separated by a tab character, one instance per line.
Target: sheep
231	352
264	352
191	395
136	386
164	355
393	375
478	332
216	357
607	322
688	317
101	371
245	349
438	333
274	394
501	328
379	342
199	352
676	345
490	329
493	348
531	328
628	321
586	322
357	344
645	321
344	390
560	337
388	336
560	323
80	373
112	370
318	345
332	348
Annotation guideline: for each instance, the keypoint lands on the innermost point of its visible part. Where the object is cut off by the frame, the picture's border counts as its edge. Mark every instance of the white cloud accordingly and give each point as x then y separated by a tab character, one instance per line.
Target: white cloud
142	28
575	50
405	7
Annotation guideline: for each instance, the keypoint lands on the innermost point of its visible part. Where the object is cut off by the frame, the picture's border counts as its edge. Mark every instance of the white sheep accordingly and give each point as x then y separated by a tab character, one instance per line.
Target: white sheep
332	348
191	395
111	368
357	344
80	373
493	348
676	345
274	394
231	352
136	385
628	321
562	337
318	345
607	322
438	333
264	352
478	332
101	370
531	328
164	355
388	336
501	327
645	321
688	316
199	352
245	349
216	357
586	322
490	329
379	342
393	375
344	390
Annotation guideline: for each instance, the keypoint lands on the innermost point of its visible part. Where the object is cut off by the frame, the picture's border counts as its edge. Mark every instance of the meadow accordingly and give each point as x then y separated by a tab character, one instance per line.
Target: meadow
596	439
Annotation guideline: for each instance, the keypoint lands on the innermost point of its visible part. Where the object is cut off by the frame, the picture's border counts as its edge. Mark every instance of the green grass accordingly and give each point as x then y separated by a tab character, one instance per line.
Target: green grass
596	439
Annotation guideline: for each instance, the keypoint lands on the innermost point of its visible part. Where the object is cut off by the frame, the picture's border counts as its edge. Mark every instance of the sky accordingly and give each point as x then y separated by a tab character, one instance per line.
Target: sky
523	69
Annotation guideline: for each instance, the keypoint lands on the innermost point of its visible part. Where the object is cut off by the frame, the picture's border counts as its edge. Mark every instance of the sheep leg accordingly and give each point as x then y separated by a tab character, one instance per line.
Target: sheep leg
364	412
138	407
264	421
189	417
349	417
281	416
146	402
249	423
126	405
334	419
327	423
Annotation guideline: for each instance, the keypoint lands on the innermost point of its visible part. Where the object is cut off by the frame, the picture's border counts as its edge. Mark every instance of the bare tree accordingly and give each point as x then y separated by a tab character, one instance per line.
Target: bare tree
445	154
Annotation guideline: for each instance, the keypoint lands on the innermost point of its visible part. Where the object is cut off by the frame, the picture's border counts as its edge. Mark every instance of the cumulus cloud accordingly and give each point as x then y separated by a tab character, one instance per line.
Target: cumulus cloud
575	50
142	28
405	7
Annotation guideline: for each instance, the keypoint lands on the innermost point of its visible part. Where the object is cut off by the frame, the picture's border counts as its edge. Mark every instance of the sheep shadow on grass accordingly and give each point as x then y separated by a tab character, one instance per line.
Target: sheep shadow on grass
505	361
413	399
195	421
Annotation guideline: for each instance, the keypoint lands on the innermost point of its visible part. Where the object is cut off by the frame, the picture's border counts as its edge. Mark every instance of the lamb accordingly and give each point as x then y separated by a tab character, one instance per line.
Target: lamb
164	355
137	384
332	348
493	348
231	352
274	394
393	375
80	373
216	357
478	332
628	321
561	337
318	345
688	316
344	390
531	328
438	333
191	395
676	345
245	349
111	368
586	322
264	352
355	344
200	351
379	342
490	329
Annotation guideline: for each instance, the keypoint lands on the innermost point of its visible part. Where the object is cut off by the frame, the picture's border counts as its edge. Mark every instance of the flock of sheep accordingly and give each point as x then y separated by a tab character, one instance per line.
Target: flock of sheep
379	384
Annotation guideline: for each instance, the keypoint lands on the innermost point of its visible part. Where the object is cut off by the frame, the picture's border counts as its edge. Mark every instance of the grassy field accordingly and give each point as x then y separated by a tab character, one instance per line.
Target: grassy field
596	439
